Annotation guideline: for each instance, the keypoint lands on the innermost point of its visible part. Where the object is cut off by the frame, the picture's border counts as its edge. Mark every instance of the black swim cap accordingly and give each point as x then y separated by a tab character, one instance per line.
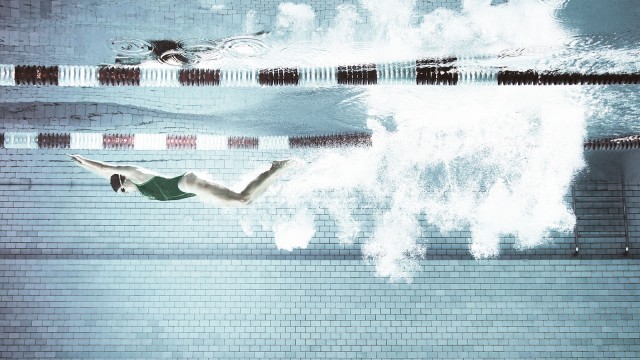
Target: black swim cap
116	181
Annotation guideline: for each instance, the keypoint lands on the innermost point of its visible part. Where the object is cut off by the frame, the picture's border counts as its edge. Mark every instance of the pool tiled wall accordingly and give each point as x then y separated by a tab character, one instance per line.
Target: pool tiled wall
54	209
313	309
86	273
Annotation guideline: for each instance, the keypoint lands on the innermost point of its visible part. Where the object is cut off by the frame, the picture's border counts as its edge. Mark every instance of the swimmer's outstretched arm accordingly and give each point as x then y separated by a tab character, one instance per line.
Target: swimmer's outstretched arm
106	170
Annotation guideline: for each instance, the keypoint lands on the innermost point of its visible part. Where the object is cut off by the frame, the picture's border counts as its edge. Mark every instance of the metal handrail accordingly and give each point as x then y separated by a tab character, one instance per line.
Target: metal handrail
626	225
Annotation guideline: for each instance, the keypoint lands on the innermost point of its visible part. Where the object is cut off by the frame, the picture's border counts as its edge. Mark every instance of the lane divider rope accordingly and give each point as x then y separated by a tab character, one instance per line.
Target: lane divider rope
621	143
444	71
97	141
144	141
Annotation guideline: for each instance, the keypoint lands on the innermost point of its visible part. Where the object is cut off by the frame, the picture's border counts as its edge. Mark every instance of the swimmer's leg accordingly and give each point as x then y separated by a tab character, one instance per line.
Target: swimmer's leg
260	184
209	191
212	192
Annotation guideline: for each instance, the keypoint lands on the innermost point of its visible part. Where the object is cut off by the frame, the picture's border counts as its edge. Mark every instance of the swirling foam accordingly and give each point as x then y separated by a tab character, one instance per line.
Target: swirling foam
494	161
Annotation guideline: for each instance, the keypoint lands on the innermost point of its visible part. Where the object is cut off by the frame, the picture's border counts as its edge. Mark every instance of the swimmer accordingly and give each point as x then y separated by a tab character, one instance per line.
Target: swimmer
128	178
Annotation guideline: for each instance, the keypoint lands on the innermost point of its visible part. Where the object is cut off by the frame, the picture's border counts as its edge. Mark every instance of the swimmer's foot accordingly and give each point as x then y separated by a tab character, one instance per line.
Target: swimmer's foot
282	164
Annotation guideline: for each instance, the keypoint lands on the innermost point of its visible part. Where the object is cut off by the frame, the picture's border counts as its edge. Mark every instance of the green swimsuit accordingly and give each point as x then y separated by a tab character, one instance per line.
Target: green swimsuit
163	189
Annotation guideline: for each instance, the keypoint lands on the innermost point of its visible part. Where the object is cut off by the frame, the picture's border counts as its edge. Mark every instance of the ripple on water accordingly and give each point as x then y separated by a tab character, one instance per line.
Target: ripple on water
129	47
187	52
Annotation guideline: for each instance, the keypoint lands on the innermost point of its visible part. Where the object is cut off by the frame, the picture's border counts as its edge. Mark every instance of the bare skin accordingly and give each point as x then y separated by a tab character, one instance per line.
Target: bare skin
191	182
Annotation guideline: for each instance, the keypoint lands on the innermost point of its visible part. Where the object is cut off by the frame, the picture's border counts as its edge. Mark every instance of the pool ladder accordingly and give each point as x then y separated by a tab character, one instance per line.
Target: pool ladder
603	216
